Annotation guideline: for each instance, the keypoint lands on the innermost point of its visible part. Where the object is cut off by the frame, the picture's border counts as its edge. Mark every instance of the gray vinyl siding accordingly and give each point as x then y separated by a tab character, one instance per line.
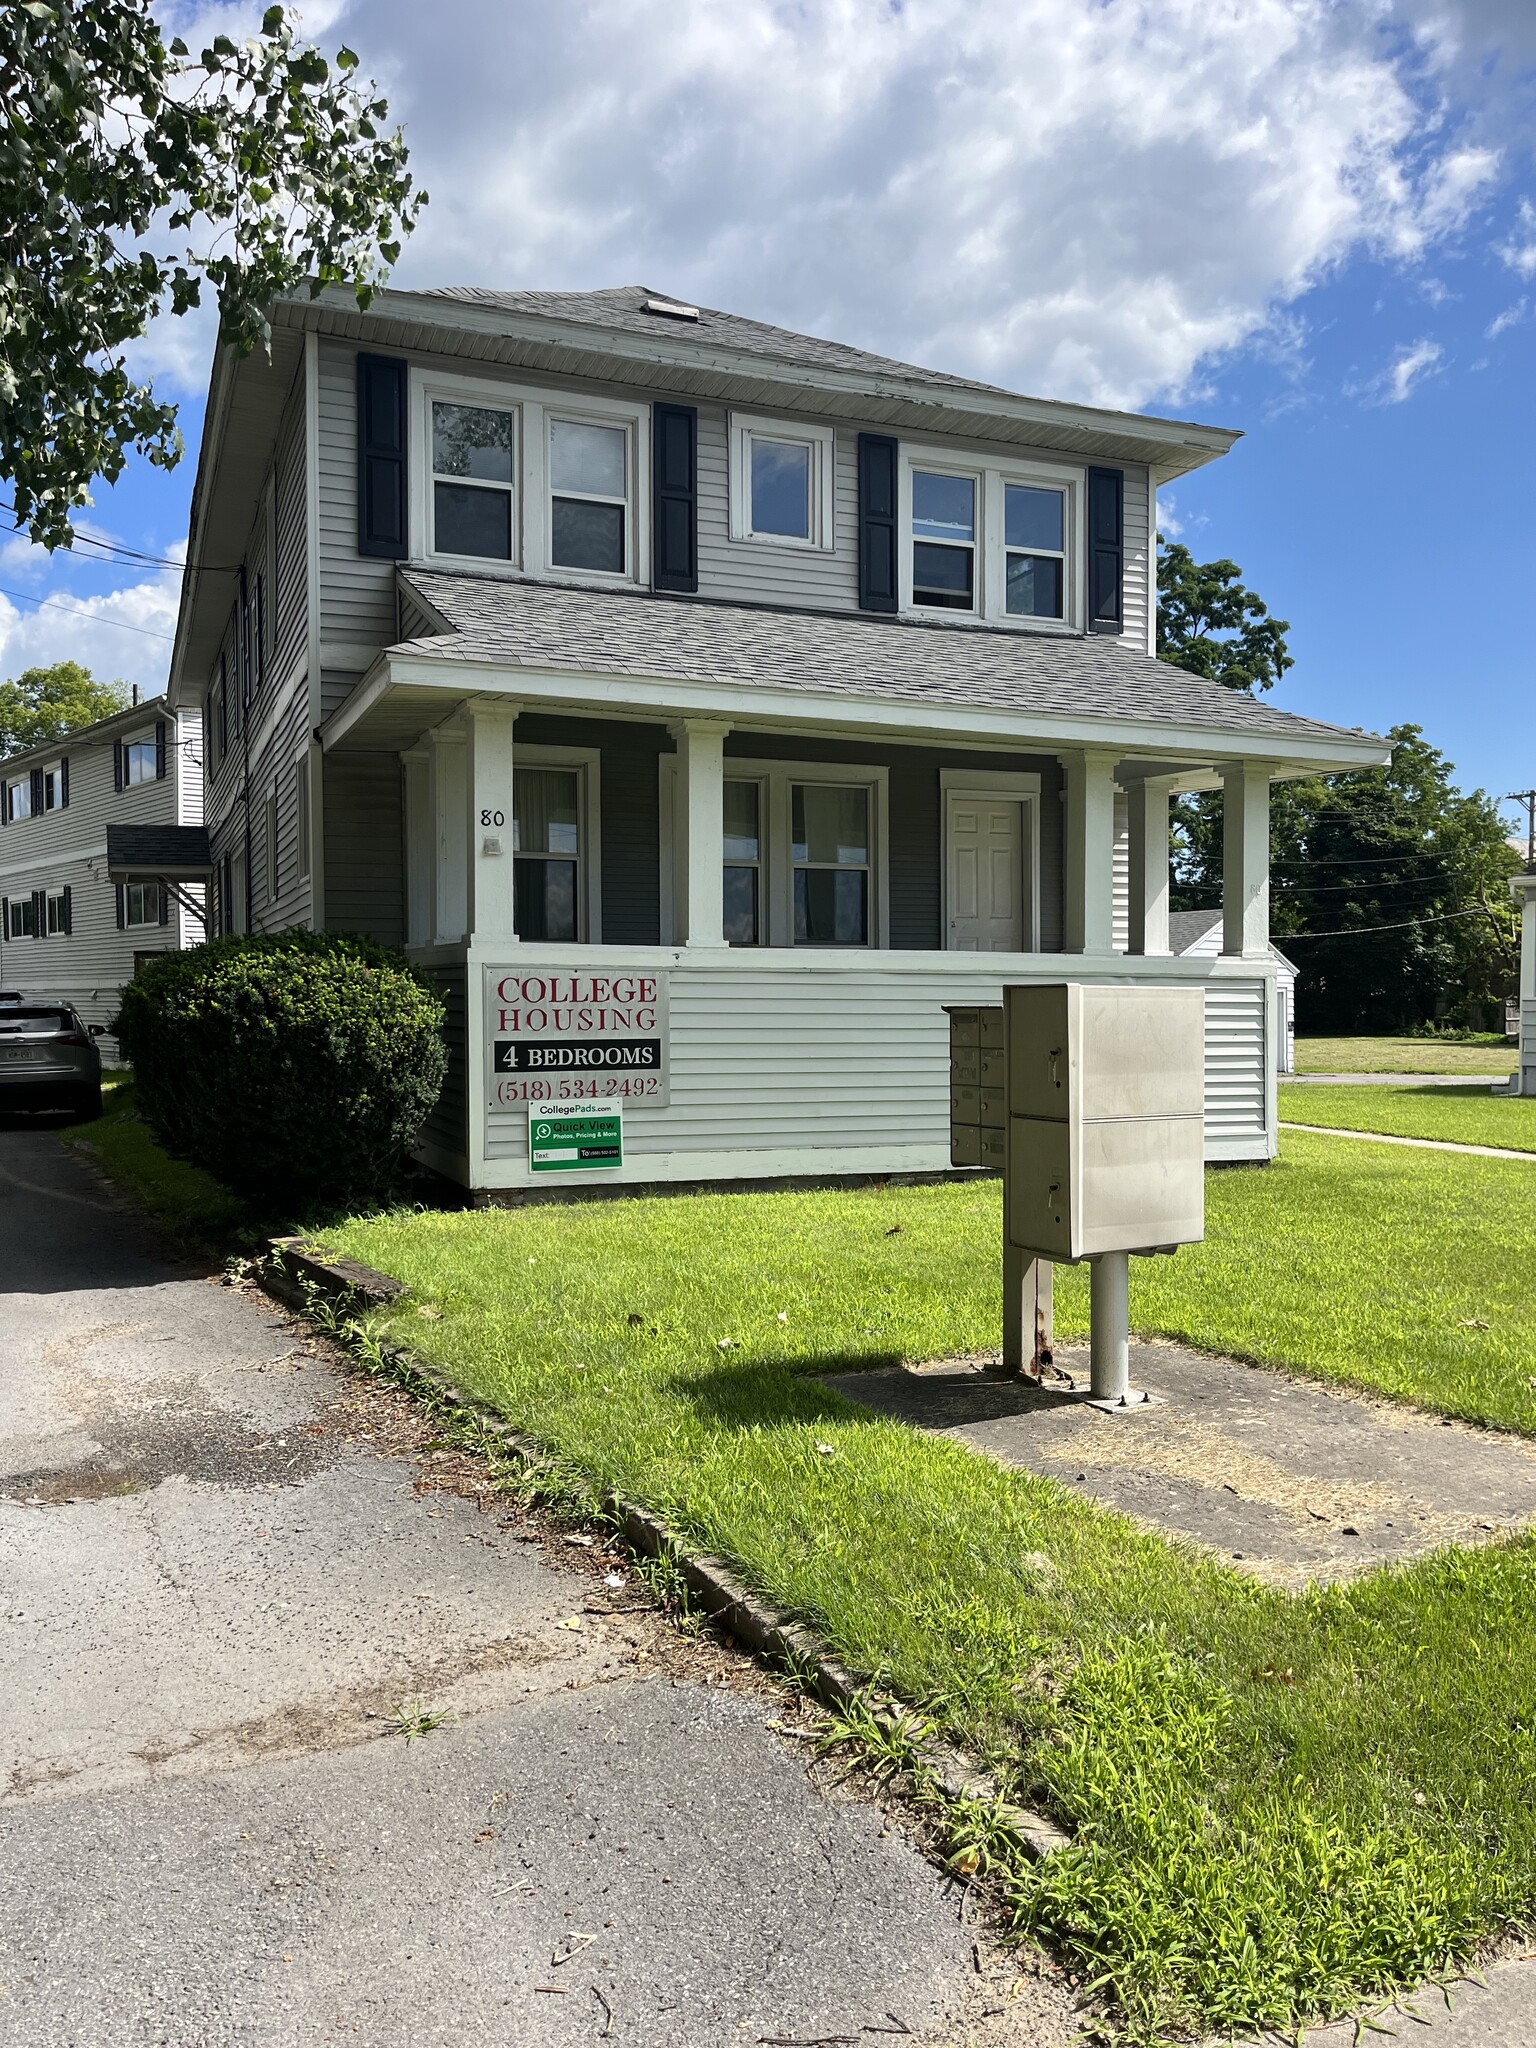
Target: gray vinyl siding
336	686
68	848
364	846
357	593
1236	1060
756	572
414	624
274	766
291	605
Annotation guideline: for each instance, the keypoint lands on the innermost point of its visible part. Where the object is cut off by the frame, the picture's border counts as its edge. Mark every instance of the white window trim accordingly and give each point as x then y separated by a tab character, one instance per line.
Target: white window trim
1021	785
776	862
821	441
603	412
487	397
587	761
139	924
50	898
12	784
140	739
55	769
990	475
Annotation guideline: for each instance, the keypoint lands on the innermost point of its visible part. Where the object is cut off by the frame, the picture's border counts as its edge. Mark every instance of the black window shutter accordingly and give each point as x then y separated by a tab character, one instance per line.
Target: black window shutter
165	903
36	780
122	907
381	457
117	764
877	523
674	497
40	913
64	783
69	910
1106	550
5	917
160	749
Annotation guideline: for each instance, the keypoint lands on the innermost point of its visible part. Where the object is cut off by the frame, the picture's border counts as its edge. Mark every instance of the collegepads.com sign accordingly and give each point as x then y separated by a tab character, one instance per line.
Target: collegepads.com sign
556	1036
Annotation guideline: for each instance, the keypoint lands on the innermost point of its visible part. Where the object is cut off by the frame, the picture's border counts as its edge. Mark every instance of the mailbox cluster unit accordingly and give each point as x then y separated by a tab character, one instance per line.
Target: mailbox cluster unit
1091	1100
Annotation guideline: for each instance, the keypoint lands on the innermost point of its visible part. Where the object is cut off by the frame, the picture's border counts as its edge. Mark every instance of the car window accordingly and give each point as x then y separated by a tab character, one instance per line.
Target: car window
33	1017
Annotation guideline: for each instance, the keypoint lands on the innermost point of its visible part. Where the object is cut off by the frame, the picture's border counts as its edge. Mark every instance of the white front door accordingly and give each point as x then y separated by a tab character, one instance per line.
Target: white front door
986	875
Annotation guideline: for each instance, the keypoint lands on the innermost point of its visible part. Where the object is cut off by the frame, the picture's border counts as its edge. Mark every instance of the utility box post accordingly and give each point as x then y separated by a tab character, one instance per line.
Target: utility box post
978	1125
1106	1141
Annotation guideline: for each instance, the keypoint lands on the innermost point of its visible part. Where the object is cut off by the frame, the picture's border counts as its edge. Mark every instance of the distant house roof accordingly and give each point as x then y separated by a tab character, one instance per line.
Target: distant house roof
543	626
1186	928
169	852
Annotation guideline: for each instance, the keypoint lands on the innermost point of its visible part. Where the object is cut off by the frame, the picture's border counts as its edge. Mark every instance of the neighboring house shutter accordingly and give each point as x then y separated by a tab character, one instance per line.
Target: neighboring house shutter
877	523
5	917
381	457
36	779
165	904
122	907
675	497
40	913
64	783
69	910
160	749
1106	550
117	764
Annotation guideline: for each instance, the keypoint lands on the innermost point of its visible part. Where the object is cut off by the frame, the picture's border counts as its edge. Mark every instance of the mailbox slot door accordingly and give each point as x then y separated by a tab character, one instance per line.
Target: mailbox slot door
1040	1205
1143	1184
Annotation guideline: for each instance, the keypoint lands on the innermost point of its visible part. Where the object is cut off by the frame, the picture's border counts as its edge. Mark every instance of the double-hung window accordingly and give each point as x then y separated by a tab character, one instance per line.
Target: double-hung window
546	846
138	760
22	921
56	911
53	787
830	853
743	876
1035	548
141	903
589	502
474	470
944	541
18	799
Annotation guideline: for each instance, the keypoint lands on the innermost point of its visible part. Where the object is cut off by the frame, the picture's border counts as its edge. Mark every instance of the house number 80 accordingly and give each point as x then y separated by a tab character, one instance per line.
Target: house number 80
493	817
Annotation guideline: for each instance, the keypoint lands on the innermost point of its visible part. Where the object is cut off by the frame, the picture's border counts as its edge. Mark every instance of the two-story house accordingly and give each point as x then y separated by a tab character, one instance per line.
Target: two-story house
704	706
75	918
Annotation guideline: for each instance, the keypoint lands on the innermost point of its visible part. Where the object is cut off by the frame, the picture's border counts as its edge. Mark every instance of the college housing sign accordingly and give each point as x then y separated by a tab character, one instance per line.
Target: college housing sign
559	1036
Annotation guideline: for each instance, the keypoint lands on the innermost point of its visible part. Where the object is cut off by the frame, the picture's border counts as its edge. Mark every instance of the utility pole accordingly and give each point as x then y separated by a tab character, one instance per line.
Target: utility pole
1528	798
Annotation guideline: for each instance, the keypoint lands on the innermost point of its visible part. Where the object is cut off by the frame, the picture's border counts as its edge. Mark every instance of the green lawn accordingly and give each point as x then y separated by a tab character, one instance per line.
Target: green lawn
1466	1116
1485	1054
193	1209
1279	1803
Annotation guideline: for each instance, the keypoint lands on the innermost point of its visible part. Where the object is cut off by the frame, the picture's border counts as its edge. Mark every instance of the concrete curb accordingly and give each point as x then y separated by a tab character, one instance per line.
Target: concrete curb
291	1269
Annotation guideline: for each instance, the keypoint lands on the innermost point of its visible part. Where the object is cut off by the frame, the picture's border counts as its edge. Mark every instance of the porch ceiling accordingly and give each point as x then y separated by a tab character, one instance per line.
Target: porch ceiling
638	655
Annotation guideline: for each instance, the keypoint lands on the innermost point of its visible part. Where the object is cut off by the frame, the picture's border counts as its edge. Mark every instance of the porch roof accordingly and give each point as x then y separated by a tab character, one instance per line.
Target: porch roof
754	664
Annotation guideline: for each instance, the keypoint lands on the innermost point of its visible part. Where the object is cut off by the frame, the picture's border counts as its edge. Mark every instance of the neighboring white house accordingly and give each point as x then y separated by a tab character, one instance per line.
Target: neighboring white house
1196	935
74	925
1524	890
705	706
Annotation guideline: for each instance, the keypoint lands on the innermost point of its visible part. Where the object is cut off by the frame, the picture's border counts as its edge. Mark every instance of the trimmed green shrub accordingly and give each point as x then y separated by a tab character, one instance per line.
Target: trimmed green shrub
297	1067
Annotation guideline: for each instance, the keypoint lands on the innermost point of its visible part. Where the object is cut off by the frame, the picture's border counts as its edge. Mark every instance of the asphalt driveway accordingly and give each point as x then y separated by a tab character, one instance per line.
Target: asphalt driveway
225	1563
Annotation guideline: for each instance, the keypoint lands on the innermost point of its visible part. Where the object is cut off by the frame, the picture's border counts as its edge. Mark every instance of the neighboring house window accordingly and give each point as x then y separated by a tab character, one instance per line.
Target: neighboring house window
259	630
546	844
743	878
473	471
272	847
301	812
138	760
57	911
781	483
589	497
53	787
141	903
1035	545
830	852
223	705
944	541
21	919
18	799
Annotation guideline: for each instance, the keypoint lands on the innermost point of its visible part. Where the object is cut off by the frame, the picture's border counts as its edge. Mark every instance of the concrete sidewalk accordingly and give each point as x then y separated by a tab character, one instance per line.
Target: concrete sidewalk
224	1563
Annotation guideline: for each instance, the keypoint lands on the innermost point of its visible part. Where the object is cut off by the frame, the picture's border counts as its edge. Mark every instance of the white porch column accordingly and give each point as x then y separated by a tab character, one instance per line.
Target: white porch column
1148	804
1524	888
699	917
490	904
1245	860
1089	922
449	797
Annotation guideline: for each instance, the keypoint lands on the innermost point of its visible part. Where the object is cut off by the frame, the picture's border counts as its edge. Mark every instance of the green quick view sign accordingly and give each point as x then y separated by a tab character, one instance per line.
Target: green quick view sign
574	1137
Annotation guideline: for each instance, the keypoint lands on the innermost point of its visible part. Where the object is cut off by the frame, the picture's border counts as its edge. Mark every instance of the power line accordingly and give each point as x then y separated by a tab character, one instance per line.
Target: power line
1364	931
116	547
1528	798
53	604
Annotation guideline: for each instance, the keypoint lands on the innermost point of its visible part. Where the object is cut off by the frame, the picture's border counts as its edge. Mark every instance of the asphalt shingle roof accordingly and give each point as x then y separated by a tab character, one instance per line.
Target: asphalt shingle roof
157	846
550	626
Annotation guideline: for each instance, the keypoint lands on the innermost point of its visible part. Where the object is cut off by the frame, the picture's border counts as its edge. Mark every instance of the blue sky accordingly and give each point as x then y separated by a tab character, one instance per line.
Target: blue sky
1312	219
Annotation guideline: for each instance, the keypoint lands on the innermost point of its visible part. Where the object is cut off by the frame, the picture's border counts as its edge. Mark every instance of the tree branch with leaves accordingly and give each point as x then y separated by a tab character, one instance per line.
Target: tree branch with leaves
133	175
1210	623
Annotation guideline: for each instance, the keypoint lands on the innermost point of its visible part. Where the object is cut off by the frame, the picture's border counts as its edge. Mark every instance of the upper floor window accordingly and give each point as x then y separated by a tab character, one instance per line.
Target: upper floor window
944	540
21	918
18	799
139	760
589	511
54	787
473	480
781	483
1035	544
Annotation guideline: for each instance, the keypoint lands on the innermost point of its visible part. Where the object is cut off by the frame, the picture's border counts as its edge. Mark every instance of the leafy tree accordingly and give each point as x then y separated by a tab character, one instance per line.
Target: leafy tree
1211	624
43	704
1390	891
132	173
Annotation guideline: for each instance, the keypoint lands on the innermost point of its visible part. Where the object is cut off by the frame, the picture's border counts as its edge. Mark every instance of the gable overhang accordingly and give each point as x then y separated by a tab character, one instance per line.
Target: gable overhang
672	363
404	695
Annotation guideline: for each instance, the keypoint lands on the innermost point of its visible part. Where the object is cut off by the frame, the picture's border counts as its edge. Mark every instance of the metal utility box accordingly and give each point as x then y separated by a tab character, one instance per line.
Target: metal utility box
978	1113
1105	1090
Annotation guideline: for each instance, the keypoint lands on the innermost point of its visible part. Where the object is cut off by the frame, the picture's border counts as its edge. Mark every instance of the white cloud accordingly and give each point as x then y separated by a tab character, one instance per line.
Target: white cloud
1519	252
1089	198
1510	317
116	634
1407	370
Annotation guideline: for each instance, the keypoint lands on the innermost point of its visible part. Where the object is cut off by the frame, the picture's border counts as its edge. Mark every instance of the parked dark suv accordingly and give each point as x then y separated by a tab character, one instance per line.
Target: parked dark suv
48	1058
